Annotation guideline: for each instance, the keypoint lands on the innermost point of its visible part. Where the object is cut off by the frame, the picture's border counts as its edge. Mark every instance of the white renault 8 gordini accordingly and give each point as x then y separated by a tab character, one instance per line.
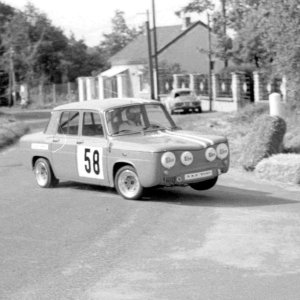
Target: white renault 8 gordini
129	144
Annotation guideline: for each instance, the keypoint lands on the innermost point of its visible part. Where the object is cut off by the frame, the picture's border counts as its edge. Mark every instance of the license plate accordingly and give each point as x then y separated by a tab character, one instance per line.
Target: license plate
198	175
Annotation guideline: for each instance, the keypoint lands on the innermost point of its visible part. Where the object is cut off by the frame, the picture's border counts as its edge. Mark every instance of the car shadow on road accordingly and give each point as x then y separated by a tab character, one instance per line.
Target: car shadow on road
85	187
220	196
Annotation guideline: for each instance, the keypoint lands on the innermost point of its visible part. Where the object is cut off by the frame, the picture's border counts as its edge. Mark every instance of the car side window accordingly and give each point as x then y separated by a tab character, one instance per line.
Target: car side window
92	125
69	123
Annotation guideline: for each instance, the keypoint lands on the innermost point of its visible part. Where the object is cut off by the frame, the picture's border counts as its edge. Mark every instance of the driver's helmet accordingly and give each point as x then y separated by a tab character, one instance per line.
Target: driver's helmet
133	114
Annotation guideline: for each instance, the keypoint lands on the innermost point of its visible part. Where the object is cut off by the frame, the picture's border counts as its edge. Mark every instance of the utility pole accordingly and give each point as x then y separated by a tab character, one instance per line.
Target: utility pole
155	50
210	62
224	33
12	78
152	94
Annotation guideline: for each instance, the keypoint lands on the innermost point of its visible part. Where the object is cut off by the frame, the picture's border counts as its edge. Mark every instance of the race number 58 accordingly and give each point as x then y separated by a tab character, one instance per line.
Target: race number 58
89	162
92	161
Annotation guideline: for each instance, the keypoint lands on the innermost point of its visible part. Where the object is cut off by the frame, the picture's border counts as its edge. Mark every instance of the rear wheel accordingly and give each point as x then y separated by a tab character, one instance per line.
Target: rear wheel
127	183
204	185
43	174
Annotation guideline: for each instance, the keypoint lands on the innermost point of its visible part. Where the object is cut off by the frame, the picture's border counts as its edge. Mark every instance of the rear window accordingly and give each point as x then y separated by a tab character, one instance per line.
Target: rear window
182	93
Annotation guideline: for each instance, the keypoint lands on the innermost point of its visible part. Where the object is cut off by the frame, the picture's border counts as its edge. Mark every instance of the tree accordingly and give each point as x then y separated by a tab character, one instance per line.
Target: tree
217	20
120	36
268	36
247	19
81	60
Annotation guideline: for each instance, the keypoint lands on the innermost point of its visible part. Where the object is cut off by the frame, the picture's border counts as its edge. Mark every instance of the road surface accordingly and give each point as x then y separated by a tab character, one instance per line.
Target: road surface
240	240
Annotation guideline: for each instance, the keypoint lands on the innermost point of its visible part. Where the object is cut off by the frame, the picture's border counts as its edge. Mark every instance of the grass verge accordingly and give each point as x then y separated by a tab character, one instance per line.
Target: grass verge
10	130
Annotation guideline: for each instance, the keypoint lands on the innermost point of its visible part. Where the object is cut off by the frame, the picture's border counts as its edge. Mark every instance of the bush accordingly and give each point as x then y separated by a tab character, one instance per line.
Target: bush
282	167
10	131
248	113
292	144
264	140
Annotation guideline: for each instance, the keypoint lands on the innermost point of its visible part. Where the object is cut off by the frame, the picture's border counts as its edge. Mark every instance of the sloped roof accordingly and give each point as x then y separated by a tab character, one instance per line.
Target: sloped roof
136	52
186	48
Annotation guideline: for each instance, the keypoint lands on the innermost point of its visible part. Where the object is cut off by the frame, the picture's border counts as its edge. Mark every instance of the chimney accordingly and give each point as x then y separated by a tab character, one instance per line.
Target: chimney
186	20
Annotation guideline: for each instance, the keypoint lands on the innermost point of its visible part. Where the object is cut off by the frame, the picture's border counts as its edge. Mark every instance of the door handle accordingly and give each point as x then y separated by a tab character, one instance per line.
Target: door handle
55	140
79	142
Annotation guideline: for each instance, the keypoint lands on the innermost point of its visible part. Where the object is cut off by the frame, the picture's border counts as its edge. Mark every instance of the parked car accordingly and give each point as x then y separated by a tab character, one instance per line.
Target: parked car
182	101
129	144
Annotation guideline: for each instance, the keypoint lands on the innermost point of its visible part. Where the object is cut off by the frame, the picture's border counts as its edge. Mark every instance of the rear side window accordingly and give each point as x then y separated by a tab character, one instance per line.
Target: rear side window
92	125
69	123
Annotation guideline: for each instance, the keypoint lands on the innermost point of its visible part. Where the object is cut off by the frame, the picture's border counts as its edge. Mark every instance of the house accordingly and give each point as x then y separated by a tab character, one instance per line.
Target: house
182	46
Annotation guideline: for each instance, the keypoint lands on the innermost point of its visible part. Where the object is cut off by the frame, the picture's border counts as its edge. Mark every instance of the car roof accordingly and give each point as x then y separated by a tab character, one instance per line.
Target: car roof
182	90
102	105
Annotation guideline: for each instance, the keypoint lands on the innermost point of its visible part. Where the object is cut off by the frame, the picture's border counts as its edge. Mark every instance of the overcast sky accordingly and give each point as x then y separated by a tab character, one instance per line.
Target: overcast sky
89	19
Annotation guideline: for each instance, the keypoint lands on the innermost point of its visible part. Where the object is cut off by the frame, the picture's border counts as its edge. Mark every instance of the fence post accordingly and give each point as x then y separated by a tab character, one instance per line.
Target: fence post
214	86
101	87
192	82
88	84
69	91
257	95
236	92
175	81
81	88
120	85
41	95
54	93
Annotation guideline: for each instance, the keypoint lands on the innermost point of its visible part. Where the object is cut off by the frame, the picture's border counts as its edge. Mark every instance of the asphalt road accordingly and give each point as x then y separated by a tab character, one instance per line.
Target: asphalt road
240	240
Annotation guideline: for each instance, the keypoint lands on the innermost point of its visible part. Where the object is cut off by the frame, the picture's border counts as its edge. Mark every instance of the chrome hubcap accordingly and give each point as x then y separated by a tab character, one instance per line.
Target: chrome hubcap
41	174
128	183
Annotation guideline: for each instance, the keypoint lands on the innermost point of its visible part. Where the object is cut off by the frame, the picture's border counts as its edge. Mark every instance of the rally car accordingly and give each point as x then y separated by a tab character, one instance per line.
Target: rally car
129	144
182	100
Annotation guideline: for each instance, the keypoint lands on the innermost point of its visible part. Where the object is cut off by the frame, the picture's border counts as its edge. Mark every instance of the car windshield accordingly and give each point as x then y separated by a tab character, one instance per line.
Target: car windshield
182	93
137	118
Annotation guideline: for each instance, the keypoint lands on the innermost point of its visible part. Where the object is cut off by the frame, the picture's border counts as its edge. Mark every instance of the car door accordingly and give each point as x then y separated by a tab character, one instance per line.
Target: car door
92	149
64	145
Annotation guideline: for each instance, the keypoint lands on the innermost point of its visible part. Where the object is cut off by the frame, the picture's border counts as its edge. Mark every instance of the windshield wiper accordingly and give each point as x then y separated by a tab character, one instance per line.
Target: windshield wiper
174	128
153	127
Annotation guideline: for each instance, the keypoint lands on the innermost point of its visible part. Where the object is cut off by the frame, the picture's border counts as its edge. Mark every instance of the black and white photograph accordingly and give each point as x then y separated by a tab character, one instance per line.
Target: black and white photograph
150	150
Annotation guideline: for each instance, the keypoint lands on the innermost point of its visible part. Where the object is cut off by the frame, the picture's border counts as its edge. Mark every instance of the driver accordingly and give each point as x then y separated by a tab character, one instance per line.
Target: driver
133	122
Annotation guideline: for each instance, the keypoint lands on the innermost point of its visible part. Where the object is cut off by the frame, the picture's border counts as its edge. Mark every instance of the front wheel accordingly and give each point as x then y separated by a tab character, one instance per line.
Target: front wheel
43	174
127	183
204	185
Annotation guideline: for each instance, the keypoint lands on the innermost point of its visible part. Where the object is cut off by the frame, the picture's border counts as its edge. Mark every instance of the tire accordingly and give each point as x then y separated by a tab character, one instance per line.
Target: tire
43	174
204	185
127	183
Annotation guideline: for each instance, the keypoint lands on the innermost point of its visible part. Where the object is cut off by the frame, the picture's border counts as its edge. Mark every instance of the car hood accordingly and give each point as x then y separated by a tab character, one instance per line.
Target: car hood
166	140
185	98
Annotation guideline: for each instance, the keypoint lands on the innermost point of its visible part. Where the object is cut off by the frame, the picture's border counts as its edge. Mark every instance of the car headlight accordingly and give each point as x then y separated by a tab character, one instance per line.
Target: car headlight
222	151
210	154
168	160
186	158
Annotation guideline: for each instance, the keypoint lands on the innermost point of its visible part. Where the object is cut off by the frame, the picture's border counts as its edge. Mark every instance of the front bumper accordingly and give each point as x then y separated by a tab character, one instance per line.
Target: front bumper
192	177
